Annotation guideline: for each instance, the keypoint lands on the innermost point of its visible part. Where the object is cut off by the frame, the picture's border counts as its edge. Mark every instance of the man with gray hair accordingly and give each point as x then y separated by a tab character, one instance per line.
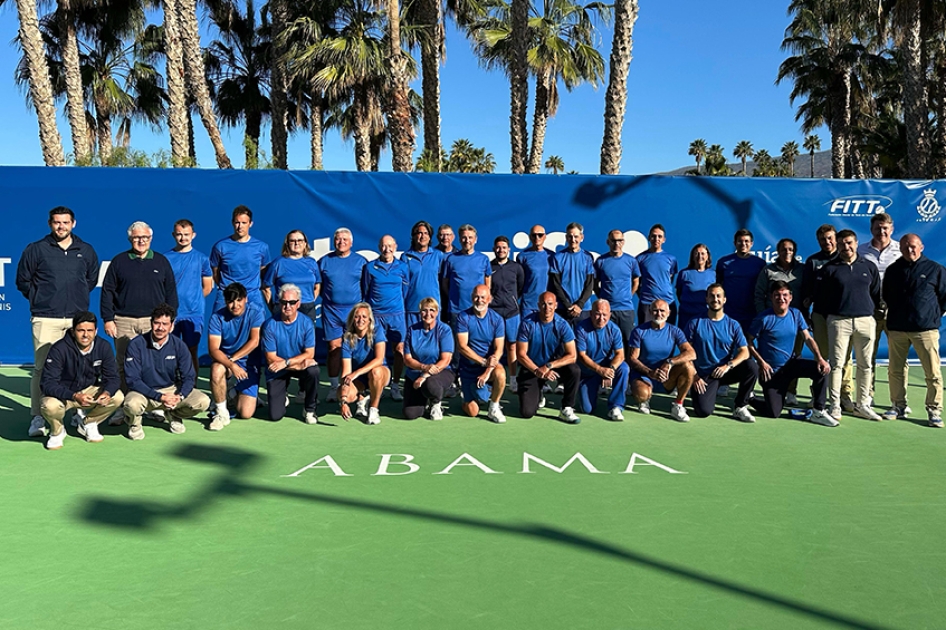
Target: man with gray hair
137	281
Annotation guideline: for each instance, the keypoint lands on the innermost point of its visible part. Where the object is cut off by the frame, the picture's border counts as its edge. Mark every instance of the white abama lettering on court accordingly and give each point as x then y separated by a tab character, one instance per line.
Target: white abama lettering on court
401	464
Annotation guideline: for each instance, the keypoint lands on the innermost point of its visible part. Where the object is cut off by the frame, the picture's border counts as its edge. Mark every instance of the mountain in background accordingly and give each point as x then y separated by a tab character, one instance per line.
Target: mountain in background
802	166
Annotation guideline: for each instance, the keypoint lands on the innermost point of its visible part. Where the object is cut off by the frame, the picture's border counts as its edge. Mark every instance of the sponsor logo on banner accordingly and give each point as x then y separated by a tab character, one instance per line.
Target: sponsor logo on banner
4	305
858	206
929	208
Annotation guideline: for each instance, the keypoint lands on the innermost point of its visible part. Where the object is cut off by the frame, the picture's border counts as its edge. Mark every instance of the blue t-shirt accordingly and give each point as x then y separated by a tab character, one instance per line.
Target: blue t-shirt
463	272
362	352
423	277
616	275
384	285
574	268
536	264
240	262
598	344
738	277
715	342
546	340
302	272
233	331
481	333
190	269
691	289
775	336
287	340
655	344
657	272
427	345
341	278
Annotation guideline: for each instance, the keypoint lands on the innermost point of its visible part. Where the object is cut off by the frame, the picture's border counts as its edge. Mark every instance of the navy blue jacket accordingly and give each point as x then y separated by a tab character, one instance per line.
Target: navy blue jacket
133	286
57	282
67	371
915	293
809	280
848	290
506	286
148	369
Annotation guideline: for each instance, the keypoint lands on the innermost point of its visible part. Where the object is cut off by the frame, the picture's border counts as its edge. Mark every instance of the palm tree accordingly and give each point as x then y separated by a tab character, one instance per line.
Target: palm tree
615	99
278	86
400	126
789	153
698	150
743	151
812	144
907	17
519	83
716	161
72	74
555	164
466	158
178	114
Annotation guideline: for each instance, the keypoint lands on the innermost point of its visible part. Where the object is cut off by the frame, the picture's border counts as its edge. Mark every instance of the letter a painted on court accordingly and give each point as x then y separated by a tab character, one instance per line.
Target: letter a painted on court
328	463
646	461
470	461
526	458
386	463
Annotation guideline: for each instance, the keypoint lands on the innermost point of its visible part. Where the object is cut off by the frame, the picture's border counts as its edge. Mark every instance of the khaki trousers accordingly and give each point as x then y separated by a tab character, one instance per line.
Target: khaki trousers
54	410
136	405
819	326
46	332
127	328
926	344
843	334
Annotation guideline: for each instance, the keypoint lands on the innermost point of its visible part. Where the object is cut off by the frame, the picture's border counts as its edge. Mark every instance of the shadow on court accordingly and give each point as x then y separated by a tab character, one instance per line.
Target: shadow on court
235	462
14	415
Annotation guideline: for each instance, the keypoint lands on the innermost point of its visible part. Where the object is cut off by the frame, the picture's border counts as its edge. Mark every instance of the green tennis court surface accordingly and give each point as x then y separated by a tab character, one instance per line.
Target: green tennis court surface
781	524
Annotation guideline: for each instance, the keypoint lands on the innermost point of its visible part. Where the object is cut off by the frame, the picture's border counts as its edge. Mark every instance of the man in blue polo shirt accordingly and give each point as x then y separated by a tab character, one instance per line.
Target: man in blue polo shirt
341	290
384	283
572	276
423	265
600	347
722	358
536	262
738	273
506	288
462	271
481	338
658	269
240	258
774	331
546	351
233	343
194	278
445	239
288	343
617	277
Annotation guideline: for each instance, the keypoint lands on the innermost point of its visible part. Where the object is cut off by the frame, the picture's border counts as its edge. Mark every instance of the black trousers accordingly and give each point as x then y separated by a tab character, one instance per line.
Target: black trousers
279	384
746	374
530	389
430	391
774	390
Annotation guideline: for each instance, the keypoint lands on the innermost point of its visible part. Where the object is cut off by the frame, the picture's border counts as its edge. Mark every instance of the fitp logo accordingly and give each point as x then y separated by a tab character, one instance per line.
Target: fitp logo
929	208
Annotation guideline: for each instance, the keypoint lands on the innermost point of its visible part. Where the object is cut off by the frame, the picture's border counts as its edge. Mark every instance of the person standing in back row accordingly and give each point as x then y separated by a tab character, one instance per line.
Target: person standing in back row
658	269
240	258
738	273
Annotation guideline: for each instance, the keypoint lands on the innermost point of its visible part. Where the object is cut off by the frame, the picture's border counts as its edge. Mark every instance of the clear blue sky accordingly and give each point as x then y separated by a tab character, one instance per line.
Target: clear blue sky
700	70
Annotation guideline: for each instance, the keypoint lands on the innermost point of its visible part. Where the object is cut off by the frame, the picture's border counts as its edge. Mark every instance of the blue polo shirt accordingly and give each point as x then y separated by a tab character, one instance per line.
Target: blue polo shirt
691	289
482	332
239	262
574	268
361	352
715	342
463	272
615	275
341	278
302	272
655	344
536	264
423	277
775	336
427	345
598	344
738	277
546	340
234	331
287	340
190	269
385	285
657	272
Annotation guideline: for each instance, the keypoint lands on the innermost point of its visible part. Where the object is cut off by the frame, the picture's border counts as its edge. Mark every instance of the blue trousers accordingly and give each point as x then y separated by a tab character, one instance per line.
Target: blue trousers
590	383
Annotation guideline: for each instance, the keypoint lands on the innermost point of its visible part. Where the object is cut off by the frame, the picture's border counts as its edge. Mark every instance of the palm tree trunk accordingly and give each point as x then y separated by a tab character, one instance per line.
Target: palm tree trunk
376	144
915	107
841	125
743	166
315	130
519	85
278	87
430	45
539	123
196	77
177	90
41	89
103	125
812	164
939	168
75	103
254	125
400	127
362	132
615	99
191	144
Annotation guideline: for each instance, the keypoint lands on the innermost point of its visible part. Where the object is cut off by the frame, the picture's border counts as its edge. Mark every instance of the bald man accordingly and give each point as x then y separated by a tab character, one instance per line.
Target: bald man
385	283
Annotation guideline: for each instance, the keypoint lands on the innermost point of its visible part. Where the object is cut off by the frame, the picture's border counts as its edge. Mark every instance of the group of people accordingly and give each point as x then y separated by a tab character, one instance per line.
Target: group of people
448	319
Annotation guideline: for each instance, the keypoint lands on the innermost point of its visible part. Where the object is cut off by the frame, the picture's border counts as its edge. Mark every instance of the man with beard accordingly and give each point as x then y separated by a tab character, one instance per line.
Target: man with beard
481	338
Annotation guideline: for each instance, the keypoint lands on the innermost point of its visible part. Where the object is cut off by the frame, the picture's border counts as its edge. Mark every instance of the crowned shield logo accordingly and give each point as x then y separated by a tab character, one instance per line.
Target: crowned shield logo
929	207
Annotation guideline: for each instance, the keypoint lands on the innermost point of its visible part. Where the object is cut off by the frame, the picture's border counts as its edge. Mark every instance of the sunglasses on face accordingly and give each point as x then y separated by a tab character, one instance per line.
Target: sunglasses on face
288	302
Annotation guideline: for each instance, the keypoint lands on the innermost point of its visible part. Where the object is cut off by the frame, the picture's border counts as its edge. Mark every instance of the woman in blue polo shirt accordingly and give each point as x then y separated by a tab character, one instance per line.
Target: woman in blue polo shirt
363	365
295	266
428	351
692	284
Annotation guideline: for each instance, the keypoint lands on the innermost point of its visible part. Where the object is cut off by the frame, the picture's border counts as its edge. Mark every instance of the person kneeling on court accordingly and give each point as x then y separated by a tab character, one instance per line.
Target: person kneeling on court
428	350
481	337
546	349
234	345
80	373
650	355
774	331
289	349
160	375
601	358
722	358
364	373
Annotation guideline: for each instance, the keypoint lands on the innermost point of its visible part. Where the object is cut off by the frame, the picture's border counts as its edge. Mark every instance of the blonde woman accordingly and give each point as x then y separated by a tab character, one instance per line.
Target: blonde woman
364	373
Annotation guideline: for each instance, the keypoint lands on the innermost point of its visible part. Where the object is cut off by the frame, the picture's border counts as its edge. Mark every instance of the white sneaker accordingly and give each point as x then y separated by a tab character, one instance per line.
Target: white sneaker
332	395
436	411
78	417
863	411
136	432
894	413
361	407
568	415
542	402
742	414
396	393
90	432
907	411
177	427
373	416
117	418
819	416
513	385
218	423
495	413
678	412
833	412
54	442
311	418
616	414
644	408
38	428
791	400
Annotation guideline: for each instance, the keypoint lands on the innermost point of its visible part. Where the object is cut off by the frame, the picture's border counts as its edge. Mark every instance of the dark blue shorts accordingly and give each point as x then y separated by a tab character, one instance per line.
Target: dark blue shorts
394	328
189	331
